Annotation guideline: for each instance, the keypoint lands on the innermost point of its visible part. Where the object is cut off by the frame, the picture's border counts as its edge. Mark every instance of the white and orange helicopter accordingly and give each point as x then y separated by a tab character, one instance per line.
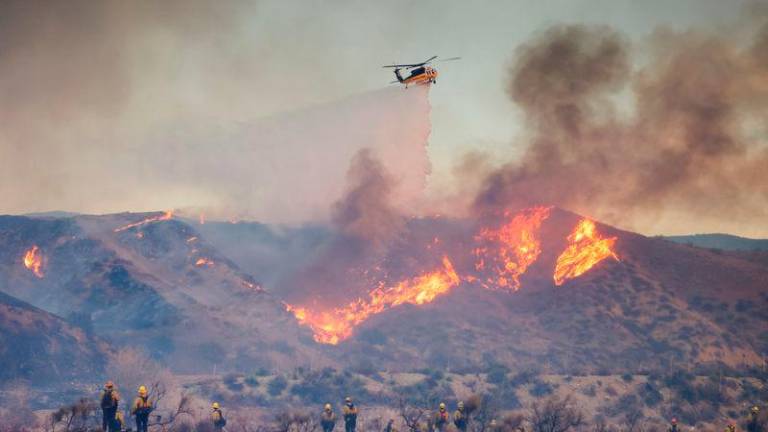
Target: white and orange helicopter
420	73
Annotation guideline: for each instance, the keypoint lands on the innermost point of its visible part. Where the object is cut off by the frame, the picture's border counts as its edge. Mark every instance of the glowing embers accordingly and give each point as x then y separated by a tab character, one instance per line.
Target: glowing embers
165	216
331	327
505	253
585	249
203	262
33	261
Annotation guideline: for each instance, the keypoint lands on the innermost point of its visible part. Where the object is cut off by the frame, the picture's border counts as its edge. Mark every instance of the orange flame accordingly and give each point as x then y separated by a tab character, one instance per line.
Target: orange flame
585	249
336	325
509	250
203	262
165	216
33	260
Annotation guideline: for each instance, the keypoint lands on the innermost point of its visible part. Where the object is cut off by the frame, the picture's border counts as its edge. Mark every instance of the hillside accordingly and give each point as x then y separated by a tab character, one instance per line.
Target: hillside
154	285
721	241
440	293
660	305
42	348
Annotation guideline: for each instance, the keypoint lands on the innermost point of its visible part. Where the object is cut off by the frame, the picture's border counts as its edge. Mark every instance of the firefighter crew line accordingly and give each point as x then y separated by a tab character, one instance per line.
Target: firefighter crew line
114	421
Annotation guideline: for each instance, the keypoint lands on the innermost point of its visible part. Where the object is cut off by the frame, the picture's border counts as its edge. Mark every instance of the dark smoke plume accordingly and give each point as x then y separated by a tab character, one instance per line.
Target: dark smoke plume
691	146
364	223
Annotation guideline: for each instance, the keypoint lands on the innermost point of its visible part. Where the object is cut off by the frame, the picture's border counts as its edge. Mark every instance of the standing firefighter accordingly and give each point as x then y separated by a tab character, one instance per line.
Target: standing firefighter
460	418
390	427
217	417
730	427
141	408
673	426
328	418
350	415
109	401
753	422
441	418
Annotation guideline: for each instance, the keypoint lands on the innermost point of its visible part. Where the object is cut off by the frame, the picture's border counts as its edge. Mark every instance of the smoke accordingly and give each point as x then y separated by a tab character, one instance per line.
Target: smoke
690	146
364	224
144	106
289	168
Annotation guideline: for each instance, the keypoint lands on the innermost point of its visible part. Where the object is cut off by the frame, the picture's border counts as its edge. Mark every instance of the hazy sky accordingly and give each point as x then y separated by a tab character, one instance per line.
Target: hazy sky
91	92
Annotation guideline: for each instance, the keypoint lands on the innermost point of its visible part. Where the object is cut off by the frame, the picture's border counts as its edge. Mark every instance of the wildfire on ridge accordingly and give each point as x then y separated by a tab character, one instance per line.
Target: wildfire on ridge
165	216
331	327
203	262
509	250
33	260
585	249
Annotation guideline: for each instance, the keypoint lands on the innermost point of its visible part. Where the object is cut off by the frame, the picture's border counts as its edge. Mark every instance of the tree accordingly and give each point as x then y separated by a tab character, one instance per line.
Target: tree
481	410
16	416
555	415
78	416
412	414
295	421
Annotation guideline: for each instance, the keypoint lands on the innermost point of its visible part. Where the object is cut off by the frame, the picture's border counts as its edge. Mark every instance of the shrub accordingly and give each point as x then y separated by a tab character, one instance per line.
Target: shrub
540	388
252	381
277	385
590	390
627	377
651	396
497	374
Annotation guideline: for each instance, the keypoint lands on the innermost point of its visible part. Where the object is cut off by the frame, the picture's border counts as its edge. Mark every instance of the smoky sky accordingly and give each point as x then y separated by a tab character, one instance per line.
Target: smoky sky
254	109
693	145
191	105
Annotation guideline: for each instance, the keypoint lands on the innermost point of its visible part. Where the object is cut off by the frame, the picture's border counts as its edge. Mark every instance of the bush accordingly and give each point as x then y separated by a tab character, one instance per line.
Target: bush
523	378
497	375
277	385
540	388
590	390
252	381
651	396
627	377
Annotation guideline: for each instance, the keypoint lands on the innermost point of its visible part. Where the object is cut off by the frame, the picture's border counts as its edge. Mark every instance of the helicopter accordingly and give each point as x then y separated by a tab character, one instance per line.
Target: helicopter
420	73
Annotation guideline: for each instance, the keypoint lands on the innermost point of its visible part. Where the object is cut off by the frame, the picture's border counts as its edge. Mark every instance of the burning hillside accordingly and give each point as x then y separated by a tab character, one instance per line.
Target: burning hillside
503	254
33	261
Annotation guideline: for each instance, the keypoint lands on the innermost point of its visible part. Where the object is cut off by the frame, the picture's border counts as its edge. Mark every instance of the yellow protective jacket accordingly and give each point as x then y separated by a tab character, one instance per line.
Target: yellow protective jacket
350	413
141	405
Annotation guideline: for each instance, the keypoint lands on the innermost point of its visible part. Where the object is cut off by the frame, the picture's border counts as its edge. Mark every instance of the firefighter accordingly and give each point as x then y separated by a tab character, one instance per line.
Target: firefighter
441	418
350	415
109	401
328	418
753	422
673	426
217	417
460	418
493	426
141	408
730	427
119	422
390	427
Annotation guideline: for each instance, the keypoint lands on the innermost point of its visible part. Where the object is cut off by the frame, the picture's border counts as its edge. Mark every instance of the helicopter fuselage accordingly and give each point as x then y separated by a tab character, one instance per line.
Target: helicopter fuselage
419	75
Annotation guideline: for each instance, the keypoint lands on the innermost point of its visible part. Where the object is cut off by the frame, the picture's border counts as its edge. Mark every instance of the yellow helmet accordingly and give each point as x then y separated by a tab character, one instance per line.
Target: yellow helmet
109	384
461	405
442	405
348	399
755	409
327	407
142	391
216	405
